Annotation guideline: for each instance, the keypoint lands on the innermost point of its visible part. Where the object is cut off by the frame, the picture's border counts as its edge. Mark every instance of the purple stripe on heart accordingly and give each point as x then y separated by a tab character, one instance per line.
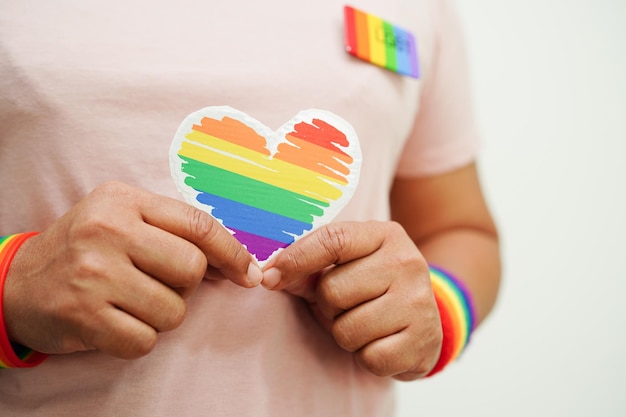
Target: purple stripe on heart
262	247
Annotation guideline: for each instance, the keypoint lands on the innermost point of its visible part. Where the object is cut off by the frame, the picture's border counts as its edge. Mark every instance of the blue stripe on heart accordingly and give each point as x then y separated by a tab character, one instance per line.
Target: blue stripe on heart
253	220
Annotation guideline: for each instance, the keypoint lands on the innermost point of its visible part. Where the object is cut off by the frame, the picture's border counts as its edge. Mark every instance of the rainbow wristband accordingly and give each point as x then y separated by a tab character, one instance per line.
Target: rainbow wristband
458	317
13	355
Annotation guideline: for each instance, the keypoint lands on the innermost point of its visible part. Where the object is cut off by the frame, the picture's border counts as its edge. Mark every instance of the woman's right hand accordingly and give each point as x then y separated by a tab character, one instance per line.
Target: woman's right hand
114	271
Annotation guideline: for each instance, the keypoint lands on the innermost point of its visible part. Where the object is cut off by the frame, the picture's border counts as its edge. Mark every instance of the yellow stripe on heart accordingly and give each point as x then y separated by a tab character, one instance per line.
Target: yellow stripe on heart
243	161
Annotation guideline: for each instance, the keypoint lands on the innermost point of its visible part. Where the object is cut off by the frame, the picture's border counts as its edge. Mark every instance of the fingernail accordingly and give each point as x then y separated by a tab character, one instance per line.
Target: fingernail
255	275
271	278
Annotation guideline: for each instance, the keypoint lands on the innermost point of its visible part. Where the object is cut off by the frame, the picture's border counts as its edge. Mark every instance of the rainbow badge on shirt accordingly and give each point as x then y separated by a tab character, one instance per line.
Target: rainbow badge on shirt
381	43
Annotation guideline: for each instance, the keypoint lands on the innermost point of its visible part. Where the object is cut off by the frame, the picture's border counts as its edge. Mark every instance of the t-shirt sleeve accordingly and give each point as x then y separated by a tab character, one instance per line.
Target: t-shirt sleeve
444	135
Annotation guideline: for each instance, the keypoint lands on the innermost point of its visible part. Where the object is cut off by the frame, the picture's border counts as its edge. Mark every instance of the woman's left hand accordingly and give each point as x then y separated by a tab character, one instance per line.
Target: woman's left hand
369	285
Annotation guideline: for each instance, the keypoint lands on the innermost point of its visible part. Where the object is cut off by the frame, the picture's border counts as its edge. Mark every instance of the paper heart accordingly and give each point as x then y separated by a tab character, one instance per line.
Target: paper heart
269	188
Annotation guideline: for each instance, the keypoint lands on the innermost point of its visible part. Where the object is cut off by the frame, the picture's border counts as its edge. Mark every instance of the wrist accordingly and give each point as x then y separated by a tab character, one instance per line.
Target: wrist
13	355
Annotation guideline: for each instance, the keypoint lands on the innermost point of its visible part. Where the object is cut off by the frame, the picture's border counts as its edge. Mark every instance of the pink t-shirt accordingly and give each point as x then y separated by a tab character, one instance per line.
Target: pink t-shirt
92	91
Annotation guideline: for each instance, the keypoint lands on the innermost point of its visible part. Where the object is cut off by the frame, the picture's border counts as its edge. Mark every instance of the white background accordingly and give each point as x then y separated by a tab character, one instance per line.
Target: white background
549	79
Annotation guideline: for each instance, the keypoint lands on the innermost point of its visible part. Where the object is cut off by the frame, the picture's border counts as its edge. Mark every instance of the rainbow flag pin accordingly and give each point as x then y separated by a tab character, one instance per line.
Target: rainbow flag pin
379	42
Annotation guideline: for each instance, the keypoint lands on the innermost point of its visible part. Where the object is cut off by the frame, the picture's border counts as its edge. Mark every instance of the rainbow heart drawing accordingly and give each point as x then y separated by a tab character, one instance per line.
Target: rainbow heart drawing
268	188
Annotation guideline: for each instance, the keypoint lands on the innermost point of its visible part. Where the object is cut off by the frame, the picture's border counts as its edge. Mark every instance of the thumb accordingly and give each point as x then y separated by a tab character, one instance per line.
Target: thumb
222	250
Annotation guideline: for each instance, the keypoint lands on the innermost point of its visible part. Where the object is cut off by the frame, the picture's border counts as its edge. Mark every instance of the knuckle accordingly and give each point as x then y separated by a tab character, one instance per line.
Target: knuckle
377	361
97	223
197	265
409	261
89	225
126	343
66	344
190	273
408	355
114	192
111	188
175	316
139	346
239	253
335	239
88	266
329	291
343	340
345	335
165	309
95	328
292	258
407	255
395	227
201	224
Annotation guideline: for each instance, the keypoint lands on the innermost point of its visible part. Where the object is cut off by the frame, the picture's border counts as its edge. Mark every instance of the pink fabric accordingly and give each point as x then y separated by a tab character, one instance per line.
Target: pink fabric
94	91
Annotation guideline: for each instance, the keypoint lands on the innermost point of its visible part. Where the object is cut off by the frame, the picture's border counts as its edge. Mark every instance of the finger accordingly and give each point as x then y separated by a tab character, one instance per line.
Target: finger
221	249
120	335
394	355
333	244
336	290
147	299
174	261
368	322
